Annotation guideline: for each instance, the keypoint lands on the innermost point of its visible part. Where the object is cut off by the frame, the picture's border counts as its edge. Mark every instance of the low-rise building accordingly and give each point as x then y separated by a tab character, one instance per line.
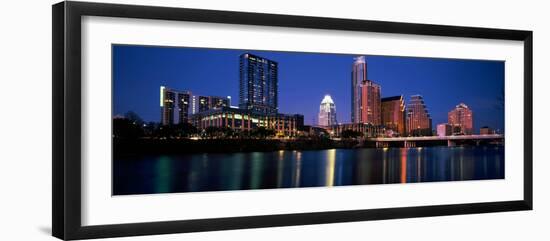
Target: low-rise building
247	120
444	129
366	130
486	131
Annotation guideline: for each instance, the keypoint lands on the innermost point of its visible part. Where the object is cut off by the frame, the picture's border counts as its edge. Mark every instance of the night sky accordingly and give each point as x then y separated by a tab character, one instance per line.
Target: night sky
304	79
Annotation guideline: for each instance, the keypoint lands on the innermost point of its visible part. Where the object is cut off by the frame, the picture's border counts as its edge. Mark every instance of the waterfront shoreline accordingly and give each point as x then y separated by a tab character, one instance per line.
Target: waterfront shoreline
183	146
188	146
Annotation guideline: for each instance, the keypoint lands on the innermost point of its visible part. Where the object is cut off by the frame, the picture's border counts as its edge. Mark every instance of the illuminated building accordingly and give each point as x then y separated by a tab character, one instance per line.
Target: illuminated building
245	120
167	105
461	118
365	95
393	114
258	84
419	121
366	130
202	103
183	103
327	112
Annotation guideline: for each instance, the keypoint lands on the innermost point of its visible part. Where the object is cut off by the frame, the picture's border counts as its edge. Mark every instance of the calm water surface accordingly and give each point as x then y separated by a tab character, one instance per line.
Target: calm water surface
285	169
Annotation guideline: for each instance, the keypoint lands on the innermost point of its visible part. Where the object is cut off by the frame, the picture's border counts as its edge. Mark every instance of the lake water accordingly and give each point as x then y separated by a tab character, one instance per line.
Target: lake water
288	169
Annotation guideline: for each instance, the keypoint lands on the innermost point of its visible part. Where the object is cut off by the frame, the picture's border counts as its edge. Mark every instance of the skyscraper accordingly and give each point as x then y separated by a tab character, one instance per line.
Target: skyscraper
181	104
365	95
258	84
184	102
167	105
393	114
419	121
461	119
327	112
203	103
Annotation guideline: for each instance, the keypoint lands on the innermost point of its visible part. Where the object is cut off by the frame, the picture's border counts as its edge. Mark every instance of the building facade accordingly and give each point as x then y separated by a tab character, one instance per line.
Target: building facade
365	95
366	130
243	120
393	115
461	118
177	106
167	105
485	130
327	112
202	103
419	121
444	129
184	104
258	80
358	74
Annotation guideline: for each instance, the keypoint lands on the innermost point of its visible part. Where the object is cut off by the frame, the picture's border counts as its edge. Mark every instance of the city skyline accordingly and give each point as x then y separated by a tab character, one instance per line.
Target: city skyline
161	62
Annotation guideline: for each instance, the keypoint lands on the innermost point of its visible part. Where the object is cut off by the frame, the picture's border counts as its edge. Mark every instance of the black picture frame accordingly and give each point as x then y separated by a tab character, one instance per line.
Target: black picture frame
66	169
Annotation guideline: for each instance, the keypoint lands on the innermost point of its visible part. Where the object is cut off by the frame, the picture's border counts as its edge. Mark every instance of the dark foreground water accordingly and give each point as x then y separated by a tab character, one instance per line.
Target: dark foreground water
285	169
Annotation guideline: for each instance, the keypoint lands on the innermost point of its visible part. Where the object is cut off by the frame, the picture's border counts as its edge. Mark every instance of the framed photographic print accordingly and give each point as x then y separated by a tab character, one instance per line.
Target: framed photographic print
170	120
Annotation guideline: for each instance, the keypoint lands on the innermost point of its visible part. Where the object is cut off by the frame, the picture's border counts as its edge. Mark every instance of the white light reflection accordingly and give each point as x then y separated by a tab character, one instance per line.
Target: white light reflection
331	161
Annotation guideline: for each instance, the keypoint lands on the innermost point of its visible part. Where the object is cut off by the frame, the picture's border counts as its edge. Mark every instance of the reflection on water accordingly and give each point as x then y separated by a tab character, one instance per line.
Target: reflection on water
285	169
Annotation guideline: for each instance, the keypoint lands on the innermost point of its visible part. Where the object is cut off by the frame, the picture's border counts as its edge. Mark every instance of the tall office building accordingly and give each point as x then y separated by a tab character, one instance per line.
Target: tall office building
461	119
358	74
327	112
203	103
419	121
393	114
258	84
184	102
167	105
365	95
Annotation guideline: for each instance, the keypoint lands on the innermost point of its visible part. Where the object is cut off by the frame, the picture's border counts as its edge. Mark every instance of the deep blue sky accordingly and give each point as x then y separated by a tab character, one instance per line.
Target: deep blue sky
304	79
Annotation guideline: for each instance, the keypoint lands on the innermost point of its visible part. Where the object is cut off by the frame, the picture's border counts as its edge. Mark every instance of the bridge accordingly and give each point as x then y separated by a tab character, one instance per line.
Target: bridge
411	141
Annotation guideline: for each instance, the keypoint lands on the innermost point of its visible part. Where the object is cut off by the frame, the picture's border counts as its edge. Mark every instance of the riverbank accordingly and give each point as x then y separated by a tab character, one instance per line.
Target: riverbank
180	146
176	146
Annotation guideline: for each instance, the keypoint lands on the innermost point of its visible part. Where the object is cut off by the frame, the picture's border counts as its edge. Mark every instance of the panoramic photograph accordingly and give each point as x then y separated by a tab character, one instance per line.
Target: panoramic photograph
202	119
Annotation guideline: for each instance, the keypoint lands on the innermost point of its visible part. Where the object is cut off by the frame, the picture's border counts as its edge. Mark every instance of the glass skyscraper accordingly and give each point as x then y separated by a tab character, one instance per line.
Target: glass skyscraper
327	112
258	84
365	95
